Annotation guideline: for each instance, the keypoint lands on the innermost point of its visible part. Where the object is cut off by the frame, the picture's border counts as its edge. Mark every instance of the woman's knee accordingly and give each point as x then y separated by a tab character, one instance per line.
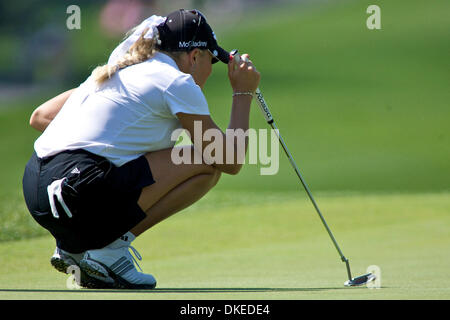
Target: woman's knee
215	176
206	180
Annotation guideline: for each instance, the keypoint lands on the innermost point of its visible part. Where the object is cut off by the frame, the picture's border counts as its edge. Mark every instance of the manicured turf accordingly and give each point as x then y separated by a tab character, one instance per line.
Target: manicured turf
364	113
269	246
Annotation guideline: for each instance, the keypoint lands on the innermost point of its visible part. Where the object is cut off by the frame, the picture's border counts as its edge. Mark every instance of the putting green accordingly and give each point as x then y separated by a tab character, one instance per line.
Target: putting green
362	110
269	246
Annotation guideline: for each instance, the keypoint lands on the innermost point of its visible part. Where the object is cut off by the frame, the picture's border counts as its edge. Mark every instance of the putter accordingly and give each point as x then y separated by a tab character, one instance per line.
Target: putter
357	281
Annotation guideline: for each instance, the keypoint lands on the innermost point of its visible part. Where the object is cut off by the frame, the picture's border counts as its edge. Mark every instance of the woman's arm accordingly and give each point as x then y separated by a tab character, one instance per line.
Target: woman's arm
243	78
46	112
197	125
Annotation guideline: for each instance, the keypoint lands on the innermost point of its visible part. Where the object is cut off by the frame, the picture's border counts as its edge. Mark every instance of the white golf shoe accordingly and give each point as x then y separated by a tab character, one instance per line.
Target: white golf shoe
67	262
62	260
114	265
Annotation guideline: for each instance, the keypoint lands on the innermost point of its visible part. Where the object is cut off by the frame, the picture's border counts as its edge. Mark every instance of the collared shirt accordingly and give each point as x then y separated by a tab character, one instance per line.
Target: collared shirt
129	115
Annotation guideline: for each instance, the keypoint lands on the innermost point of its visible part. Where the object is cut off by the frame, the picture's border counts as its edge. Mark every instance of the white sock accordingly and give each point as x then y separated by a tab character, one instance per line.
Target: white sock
124	240
129	237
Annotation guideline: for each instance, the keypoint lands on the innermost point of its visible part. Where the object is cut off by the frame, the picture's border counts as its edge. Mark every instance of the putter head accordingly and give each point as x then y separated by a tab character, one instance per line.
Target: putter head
359	281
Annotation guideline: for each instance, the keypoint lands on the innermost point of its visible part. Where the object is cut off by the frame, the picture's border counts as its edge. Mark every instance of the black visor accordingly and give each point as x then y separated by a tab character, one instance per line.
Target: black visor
185	30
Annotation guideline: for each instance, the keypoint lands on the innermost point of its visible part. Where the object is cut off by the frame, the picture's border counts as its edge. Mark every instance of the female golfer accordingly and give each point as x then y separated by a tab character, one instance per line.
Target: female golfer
102	171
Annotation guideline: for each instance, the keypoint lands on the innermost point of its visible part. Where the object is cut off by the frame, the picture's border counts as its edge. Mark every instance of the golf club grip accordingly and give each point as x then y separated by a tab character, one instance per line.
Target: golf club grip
258	95
263	106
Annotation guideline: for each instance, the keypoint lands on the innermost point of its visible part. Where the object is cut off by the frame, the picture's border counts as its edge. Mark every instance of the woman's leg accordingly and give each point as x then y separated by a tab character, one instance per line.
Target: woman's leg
176	187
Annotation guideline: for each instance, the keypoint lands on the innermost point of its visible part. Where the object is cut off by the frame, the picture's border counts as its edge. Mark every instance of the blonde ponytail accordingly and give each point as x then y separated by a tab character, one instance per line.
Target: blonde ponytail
142	50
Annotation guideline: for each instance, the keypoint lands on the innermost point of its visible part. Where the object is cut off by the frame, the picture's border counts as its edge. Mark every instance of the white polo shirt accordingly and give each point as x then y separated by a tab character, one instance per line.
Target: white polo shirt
132	113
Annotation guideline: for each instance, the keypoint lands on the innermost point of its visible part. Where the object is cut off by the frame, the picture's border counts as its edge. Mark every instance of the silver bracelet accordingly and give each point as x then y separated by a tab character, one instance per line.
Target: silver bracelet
248	93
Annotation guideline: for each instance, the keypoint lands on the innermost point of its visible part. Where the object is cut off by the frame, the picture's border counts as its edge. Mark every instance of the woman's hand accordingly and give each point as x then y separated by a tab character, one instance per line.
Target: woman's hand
243	75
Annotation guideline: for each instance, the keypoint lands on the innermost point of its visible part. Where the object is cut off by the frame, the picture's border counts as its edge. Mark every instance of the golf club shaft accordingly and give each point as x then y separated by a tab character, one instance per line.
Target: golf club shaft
268	116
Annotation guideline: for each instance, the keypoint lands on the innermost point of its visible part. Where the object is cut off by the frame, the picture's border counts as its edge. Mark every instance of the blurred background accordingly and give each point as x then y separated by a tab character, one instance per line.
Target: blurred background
363	111
38	48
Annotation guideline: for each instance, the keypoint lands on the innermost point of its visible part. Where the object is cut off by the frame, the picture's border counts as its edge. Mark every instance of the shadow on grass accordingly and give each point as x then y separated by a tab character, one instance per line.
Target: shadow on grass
175	290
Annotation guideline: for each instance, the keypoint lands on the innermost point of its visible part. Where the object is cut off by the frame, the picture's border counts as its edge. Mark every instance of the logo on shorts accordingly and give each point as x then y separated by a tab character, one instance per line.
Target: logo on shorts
75	170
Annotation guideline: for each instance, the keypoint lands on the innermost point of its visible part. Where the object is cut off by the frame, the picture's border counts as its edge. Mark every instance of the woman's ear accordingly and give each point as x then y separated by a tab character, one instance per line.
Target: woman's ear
193	55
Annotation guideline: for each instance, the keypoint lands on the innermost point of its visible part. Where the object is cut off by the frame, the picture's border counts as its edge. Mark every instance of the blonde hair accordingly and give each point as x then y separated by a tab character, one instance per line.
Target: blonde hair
142	50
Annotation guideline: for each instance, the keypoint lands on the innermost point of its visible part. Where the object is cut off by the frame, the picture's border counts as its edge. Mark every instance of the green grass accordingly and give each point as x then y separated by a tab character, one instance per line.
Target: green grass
365	115
269	246
16	143
360	110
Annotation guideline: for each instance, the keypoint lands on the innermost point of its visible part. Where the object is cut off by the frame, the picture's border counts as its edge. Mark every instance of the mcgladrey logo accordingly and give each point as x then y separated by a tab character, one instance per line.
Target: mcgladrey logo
187	44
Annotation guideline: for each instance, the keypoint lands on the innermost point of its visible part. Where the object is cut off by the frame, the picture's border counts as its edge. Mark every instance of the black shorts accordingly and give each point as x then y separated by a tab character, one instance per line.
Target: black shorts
102	198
